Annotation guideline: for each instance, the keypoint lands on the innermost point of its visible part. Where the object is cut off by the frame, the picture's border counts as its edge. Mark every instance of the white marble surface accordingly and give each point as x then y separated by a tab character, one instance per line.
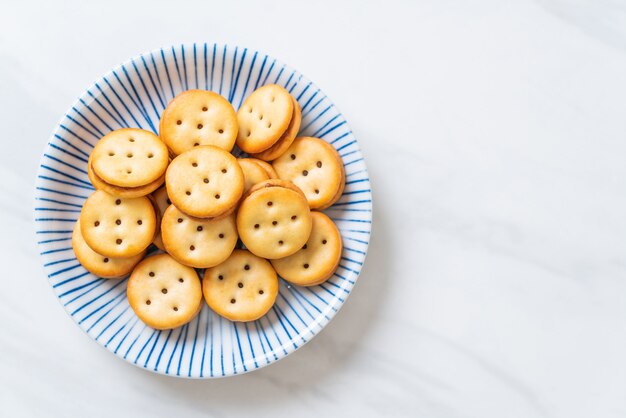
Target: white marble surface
494	132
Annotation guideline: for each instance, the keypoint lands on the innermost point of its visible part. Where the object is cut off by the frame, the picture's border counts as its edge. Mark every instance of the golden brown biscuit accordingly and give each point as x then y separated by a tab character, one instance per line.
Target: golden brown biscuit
97	264
243	288
274	219
129	157
285	141
253	173
164	293
319	257
204	182
199	243
100	184
263	118
116	226
198	117
314	166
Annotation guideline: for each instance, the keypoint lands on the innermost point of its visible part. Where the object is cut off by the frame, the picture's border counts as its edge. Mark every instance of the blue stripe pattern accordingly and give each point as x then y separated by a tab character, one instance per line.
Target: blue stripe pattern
134	95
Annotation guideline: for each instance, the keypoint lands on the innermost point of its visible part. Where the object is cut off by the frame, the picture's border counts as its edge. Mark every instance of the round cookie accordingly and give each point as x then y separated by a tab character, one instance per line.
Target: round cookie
253	173
285	141
195	242
314	166
100	184
117	226
263	118
162	202
269	170
164	293
129	157
243	288
319	257
274	219
204	182
97	264
198	117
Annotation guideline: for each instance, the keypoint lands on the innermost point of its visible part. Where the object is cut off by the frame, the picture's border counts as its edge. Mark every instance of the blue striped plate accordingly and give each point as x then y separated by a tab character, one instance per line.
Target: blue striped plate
133	95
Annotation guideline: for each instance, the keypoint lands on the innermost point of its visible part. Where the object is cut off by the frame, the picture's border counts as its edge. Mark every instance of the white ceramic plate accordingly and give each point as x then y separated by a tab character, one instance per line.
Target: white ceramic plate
133	95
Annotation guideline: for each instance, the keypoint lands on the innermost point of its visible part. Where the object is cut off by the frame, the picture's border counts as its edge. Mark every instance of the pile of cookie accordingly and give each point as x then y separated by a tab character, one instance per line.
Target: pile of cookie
186	193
